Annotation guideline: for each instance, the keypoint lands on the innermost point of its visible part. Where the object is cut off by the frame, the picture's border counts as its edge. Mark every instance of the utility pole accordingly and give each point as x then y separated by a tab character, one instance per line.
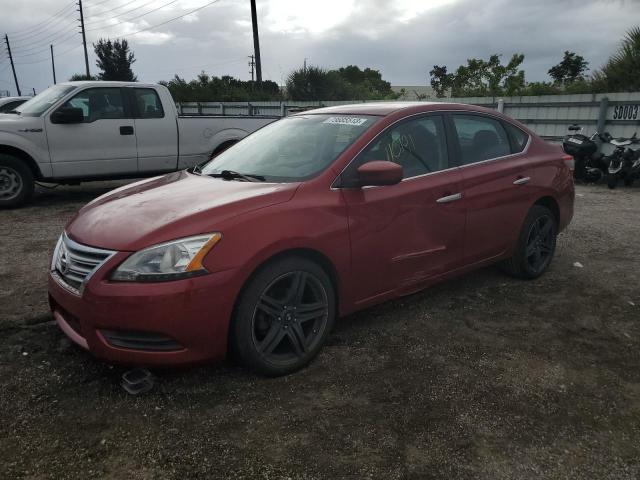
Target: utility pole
84	38
256	42
13	67
305	64
252	64
53	65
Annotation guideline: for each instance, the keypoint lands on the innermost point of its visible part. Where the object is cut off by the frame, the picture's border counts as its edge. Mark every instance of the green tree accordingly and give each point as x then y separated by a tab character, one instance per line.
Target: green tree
346	83
441	81
76	77
206	88
571	69
621	73
115	60
480	77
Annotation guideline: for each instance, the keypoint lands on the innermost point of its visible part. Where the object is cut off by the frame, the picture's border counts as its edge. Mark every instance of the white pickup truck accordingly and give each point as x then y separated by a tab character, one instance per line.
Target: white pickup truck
81	131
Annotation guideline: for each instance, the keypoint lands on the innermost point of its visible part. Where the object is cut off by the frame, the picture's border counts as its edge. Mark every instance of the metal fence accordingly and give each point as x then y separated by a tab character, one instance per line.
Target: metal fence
547	115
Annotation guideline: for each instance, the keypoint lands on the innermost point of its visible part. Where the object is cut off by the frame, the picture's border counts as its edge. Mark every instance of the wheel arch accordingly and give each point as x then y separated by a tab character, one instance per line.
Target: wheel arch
304	252
24	156
552	204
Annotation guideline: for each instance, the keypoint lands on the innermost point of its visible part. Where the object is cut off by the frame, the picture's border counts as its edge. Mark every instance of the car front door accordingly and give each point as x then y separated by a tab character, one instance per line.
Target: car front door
495	174
103	144
406	233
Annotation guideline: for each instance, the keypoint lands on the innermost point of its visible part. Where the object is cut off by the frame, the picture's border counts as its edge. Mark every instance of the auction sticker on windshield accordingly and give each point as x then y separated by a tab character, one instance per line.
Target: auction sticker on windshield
346	121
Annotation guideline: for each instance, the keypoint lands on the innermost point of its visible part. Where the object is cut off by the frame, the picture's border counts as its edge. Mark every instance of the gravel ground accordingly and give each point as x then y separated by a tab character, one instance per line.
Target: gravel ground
480	377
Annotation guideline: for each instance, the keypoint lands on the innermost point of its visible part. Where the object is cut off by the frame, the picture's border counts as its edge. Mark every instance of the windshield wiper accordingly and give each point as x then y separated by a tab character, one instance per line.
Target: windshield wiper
231	175
15	112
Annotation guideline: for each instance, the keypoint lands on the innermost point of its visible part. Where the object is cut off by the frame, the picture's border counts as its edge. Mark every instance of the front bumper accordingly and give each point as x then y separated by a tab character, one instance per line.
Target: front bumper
194	314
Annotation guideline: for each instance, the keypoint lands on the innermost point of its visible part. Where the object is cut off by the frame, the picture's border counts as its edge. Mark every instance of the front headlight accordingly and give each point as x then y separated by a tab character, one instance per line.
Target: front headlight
168	261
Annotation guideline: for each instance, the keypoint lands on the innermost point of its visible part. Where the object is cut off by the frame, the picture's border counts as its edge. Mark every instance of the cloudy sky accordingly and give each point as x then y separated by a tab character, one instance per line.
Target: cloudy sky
402	38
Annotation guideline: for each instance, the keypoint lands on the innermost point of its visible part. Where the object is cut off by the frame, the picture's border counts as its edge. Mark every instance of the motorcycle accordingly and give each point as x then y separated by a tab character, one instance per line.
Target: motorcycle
624	162
590	162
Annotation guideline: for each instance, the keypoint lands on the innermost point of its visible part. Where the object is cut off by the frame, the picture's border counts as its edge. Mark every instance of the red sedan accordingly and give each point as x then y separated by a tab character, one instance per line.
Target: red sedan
310	218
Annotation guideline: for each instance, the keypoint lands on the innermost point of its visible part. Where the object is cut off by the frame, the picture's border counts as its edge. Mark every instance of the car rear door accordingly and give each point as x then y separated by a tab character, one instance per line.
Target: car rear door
156	131
406	233
104	144
495	176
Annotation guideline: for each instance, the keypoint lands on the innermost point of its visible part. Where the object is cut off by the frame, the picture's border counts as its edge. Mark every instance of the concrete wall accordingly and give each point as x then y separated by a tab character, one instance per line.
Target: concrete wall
547	115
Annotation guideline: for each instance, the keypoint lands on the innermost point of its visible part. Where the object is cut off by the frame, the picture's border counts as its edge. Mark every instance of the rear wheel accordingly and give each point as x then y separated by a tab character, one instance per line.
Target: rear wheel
628	182
16	181
612	181
283	316
536	244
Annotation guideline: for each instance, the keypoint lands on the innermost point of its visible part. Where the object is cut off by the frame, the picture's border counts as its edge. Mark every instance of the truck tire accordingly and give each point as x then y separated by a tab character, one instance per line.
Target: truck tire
16	181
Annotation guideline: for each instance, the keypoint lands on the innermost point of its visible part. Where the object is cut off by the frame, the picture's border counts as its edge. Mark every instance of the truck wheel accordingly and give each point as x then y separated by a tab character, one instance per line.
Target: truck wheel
16	181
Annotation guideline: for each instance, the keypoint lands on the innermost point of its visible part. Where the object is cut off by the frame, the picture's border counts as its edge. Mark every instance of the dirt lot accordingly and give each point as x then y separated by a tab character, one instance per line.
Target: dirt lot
481	377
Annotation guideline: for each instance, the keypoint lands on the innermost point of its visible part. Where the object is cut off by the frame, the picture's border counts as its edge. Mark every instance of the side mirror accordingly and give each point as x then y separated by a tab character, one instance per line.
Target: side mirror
67	115
379	172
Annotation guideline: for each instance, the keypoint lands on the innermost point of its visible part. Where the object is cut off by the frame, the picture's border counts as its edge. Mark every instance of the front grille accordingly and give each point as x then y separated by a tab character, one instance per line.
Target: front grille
74	263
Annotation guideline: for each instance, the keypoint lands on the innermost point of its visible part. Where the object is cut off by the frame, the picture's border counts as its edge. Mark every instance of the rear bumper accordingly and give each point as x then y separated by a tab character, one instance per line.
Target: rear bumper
192	316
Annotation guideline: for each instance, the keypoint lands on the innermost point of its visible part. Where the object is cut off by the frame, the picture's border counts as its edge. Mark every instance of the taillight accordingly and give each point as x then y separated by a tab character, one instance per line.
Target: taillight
571	163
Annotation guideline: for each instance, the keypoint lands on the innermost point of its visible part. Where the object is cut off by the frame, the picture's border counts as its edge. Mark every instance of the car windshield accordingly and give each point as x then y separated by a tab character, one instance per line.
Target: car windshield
40	103
292	149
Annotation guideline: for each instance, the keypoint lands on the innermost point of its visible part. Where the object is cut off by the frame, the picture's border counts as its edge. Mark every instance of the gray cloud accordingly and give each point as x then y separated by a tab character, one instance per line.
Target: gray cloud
376	33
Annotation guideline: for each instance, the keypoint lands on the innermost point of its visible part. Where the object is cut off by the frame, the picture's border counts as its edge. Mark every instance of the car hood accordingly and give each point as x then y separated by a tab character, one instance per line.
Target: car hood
173	206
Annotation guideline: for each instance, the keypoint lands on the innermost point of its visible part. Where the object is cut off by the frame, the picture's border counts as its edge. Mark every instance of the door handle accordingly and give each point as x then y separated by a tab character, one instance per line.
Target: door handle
126	130
521	180
449	198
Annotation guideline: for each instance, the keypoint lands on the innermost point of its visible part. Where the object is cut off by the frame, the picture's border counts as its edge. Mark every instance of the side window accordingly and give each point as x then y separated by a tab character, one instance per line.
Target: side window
7	107
148	103
99	104
419	146
519	138
481	138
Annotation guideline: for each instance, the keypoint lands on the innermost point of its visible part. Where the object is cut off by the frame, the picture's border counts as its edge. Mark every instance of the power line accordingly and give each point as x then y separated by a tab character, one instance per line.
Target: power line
47	59
17	33
25	52
173	19
118	8
127	20
37	36
99	3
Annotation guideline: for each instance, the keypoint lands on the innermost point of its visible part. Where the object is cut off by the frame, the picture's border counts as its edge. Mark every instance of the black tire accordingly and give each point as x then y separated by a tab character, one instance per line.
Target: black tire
612	182
536	245
283	316
628	182
16	181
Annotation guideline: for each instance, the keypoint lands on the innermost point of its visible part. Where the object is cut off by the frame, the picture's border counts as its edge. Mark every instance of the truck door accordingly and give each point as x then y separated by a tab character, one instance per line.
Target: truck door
102	144
156	131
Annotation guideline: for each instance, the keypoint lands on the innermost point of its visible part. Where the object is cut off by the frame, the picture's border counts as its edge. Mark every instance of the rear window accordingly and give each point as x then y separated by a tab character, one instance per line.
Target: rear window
518	138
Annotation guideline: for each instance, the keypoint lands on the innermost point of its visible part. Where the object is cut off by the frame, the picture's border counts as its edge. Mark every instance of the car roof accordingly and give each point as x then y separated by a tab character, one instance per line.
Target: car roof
13	99
102	83
388	108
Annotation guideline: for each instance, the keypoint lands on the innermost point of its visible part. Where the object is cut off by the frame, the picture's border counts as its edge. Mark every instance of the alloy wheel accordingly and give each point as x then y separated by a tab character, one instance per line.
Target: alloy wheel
290	318
540	243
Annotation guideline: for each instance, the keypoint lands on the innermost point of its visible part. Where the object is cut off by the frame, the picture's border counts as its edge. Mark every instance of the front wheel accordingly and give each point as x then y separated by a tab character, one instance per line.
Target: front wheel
283	316
612	181
16	181
536	244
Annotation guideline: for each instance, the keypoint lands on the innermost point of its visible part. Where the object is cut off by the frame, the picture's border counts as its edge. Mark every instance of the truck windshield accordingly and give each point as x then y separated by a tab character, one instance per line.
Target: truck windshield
292	149
41	102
